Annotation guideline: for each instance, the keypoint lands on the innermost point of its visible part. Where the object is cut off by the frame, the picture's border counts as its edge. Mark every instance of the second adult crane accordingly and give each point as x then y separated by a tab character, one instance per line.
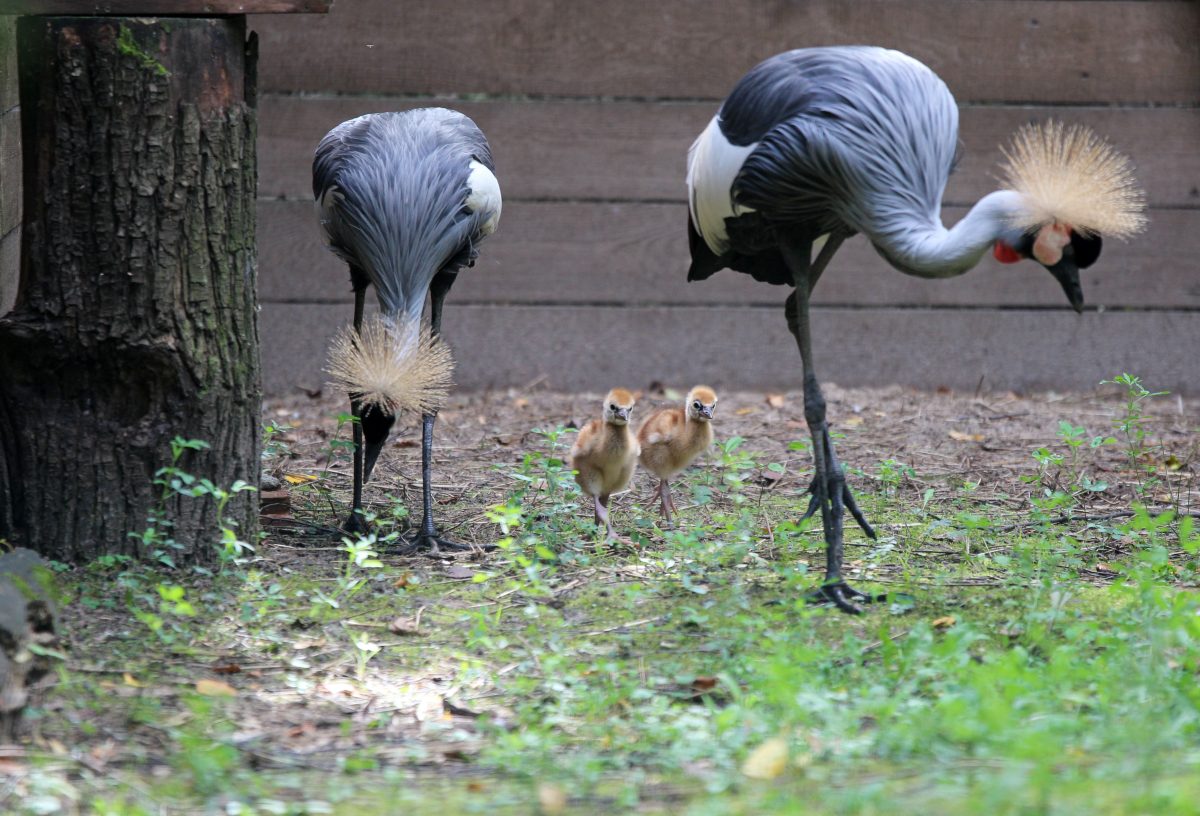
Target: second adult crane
818	144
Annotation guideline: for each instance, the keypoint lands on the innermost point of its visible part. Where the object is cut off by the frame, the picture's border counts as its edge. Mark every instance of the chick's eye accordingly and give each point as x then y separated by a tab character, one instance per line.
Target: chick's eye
697	405
612	408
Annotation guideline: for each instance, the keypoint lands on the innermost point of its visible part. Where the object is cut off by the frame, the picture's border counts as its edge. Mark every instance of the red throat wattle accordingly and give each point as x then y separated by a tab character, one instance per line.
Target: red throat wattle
1005	254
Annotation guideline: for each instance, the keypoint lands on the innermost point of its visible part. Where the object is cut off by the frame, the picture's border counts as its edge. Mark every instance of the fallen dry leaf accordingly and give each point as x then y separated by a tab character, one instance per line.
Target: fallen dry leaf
552	799
768	760
403	581
851	422
298	478
403	626
459	573
10	767
431	706
746	410
130	680
225	667
959	436
943	622
776	400
215	688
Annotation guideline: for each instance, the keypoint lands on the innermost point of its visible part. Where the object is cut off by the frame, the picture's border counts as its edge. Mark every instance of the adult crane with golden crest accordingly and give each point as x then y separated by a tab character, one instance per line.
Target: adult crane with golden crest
815	145
404	198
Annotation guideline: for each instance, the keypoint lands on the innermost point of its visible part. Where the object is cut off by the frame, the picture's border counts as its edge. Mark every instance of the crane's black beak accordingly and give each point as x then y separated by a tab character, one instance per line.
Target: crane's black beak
376	425
1067	274
371	452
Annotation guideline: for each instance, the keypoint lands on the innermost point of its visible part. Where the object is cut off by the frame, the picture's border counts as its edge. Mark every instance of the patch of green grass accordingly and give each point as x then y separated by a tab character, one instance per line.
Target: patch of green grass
1006	679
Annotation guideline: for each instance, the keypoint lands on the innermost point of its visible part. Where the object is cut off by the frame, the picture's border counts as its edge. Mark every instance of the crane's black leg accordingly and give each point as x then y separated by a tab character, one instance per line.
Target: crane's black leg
830	493
356	524
426	537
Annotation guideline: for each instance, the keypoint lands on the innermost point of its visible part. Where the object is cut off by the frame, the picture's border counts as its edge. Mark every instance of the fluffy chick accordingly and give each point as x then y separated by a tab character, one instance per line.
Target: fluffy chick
605	454
671	439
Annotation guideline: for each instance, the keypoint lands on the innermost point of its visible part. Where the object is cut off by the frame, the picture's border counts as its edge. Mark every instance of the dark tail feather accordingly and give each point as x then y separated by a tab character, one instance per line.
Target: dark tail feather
704	262
767	266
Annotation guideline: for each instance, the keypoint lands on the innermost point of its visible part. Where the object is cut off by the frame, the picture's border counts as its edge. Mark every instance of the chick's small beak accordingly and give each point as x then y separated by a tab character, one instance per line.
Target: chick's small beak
1067	274
707	411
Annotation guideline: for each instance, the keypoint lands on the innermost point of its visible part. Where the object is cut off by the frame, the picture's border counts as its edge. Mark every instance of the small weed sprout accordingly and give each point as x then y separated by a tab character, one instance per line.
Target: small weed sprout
361	555
172	605
273	445
364	650
892	474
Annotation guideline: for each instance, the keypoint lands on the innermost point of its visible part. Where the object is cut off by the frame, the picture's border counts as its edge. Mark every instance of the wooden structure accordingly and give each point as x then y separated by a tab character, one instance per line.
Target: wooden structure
590	109
135	315
10	165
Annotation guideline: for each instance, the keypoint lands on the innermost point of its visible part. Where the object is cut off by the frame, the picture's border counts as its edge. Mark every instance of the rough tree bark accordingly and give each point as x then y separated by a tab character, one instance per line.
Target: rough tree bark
136	317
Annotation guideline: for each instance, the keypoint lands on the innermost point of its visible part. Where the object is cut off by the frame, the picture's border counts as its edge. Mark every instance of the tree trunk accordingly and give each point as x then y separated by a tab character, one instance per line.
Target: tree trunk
135	319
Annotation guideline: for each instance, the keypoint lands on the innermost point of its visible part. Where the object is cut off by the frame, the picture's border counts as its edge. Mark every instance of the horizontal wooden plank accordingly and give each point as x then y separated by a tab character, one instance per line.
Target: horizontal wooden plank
637	253
154	8
993	50
575	348
618	150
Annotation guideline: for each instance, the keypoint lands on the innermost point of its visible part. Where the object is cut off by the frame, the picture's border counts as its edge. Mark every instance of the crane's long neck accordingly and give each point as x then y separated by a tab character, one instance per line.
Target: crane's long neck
928	250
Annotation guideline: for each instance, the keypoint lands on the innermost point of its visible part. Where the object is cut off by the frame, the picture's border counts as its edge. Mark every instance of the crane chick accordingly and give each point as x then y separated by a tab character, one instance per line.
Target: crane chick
672	438
605	454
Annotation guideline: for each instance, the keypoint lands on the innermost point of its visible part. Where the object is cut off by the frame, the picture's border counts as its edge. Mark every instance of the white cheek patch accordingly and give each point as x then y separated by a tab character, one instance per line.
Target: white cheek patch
484	195
1049	244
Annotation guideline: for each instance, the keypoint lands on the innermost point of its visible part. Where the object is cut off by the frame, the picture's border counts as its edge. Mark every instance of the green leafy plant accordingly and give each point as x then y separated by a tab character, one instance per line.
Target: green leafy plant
1133	426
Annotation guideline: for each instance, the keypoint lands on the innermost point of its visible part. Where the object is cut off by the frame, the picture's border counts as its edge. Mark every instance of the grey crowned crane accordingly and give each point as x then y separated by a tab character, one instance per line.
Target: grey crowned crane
404	199
815	145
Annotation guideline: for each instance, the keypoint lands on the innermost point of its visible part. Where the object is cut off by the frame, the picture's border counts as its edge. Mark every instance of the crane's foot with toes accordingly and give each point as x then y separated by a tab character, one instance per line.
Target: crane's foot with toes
847	500
431	544
843	596
356	524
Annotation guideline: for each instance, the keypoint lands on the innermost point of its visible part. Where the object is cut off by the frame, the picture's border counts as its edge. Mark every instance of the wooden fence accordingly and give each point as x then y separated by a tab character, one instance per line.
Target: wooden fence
590	108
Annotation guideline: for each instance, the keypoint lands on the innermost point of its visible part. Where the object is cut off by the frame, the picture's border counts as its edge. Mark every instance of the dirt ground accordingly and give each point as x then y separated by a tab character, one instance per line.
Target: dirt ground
298	704
946	438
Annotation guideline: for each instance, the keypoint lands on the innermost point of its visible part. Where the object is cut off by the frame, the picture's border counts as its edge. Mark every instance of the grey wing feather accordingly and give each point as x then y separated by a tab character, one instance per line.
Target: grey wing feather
867	141
391	191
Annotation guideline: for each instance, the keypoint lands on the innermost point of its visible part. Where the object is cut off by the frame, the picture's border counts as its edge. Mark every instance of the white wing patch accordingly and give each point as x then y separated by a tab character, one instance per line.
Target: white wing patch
713	164
484	195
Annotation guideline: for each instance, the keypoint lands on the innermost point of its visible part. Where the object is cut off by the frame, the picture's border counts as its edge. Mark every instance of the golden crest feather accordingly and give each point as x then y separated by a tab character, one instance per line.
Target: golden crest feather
1069	175
382	370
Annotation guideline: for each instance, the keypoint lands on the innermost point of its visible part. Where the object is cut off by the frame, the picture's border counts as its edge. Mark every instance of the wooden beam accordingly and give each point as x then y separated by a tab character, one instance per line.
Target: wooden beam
636	253
625	150
163	8
1046	51
572	348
